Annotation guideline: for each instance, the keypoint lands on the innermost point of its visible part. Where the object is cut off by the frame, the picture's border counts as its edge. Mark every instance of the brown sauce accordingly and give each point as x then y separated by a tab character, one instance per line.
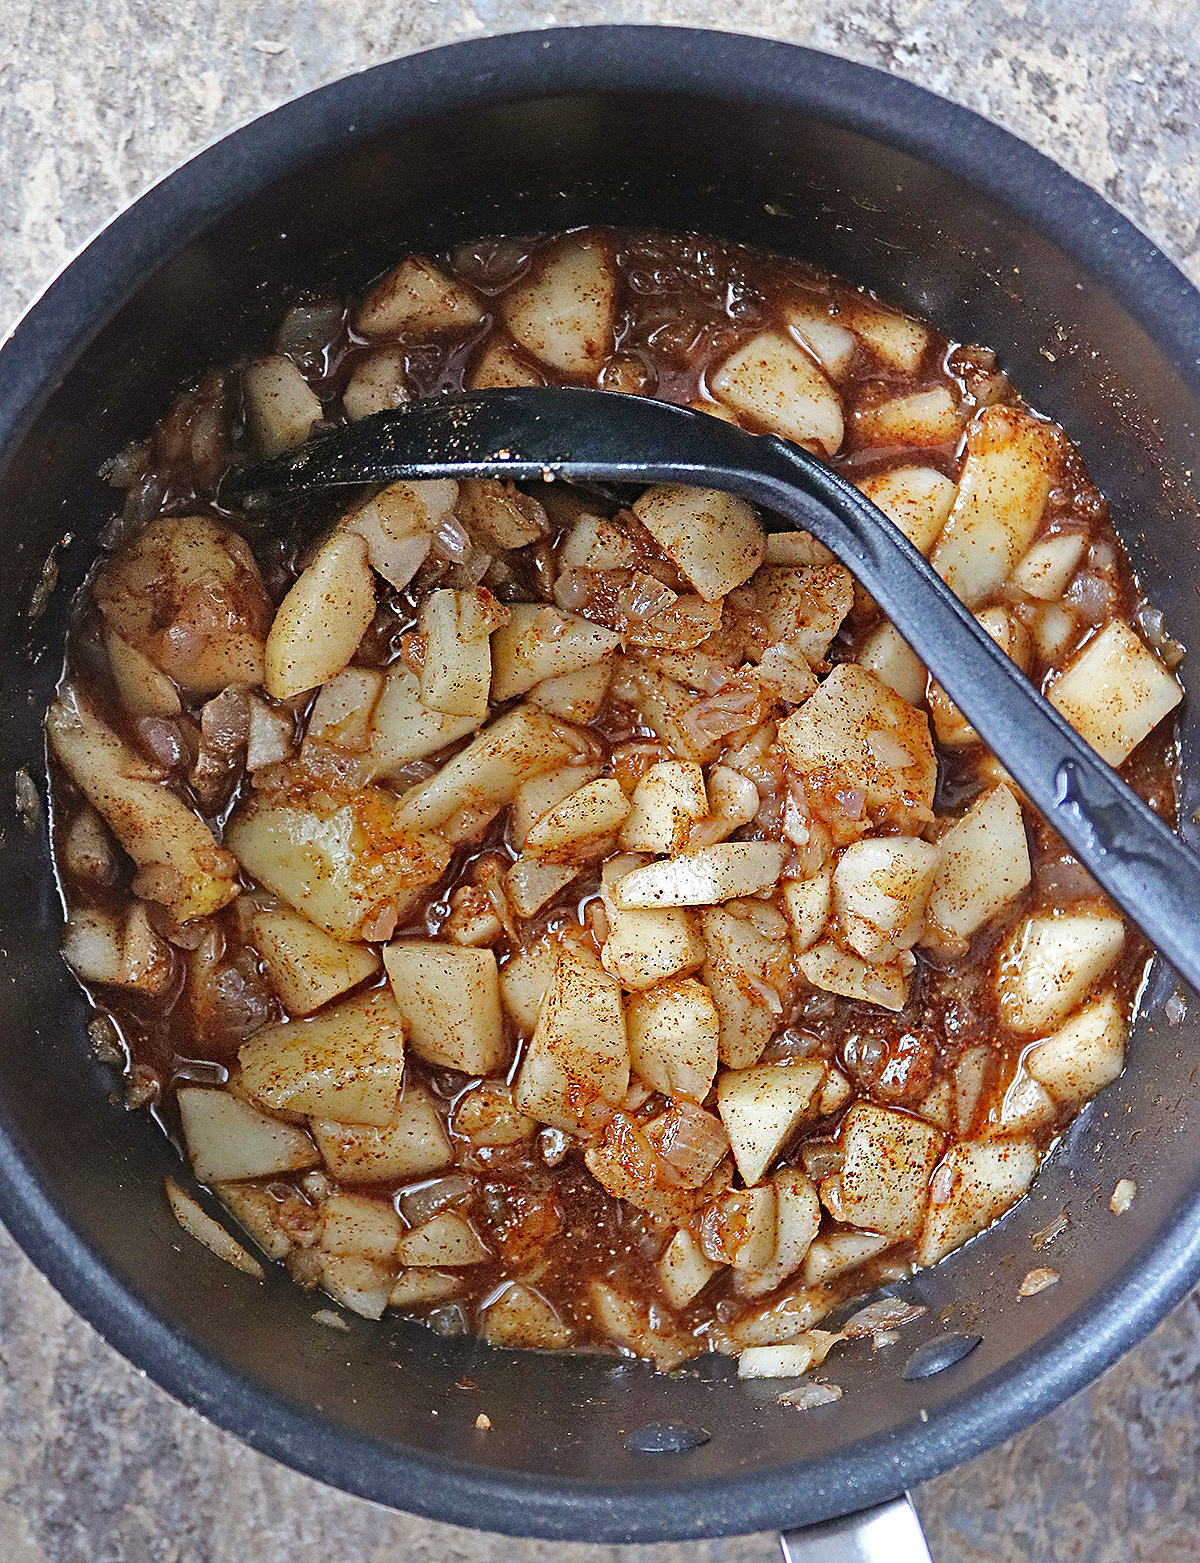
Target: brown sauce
683	304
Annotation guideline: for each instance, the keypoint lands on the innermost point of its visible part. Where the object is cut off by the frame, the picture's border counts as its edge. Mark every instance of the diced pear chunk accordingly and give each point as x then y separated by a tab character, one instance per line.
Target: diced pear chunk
984	865
412	1146
582	823
714	539
366	1228
917	499
417	1287
857	731
376	384
640	1326
888	655
977	1183
831	344
595	543
398	524
228	1139
1046	570
748	973
456	672
880	887
181	865
403	728
88	850
740	1228
645	947
187	594
574	697
835	970
361	1285
101	947
1048	964
793	1315
256	1210
808	903
563	310
795	548
790	1359
578	1055
898	340
530	883
525	979
1083	1056
797	1218
486	774
450	997
144	690
345	1064
835	1093
521	1317
674	1030
445	1239
322	619
837	1252
684	1269
773	381
1115	692
280	407
704	877
1054	629
938	1106
888	1159
539	642
1025	1108
500	365
761	1106
666	802
417	297
341	713
272	735
917	418
1010	465
352	869
972	1078
733	801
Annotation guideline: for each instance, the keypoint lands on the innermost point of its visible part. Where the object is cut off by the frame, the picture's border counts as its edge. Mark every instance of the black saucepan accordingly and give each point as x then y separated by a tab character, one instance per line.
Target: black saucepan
944	215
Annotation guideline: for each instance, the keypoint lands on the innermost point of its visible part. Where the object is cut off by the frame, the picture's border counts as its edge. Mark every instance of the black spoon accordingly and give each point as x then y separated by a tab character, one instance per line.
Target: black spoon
583	434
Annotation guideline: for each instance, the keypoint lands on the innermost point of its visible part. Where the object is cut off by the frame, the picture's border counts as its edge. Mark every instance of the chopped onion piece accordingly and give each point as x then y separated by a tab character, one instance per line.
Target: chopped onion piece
1122	1196
198	1224
809	1396
888	1313
1037	1281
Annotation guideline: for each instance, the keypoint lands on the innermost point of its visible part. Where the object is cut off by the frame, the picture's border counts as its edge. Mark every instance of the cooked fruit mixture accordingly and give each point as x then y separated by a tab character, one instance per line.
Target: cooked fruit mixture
574	916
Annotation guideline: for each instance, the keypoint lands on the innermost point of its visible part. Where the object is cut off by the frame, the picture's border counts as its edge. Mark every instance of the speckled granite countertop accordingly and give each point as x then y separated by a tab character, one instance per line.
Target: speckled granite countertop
100	97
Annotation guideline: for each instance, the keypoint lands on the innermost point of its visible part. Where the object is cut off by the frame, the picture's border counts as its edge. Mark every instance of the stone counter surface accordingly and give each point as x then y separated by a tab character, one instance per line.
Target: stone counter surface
99	98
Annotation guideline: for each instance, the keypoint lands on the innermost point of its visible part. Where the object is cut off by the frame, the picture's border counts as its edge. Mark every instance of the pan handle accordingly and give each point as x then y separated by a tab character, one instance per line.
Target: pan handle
890	1533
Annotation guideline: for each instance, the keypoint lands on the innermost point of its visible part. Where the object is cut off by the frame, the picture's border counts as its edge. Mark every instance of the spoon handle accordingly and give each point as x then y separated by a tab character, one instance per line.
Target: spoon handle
578	433
1126	847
